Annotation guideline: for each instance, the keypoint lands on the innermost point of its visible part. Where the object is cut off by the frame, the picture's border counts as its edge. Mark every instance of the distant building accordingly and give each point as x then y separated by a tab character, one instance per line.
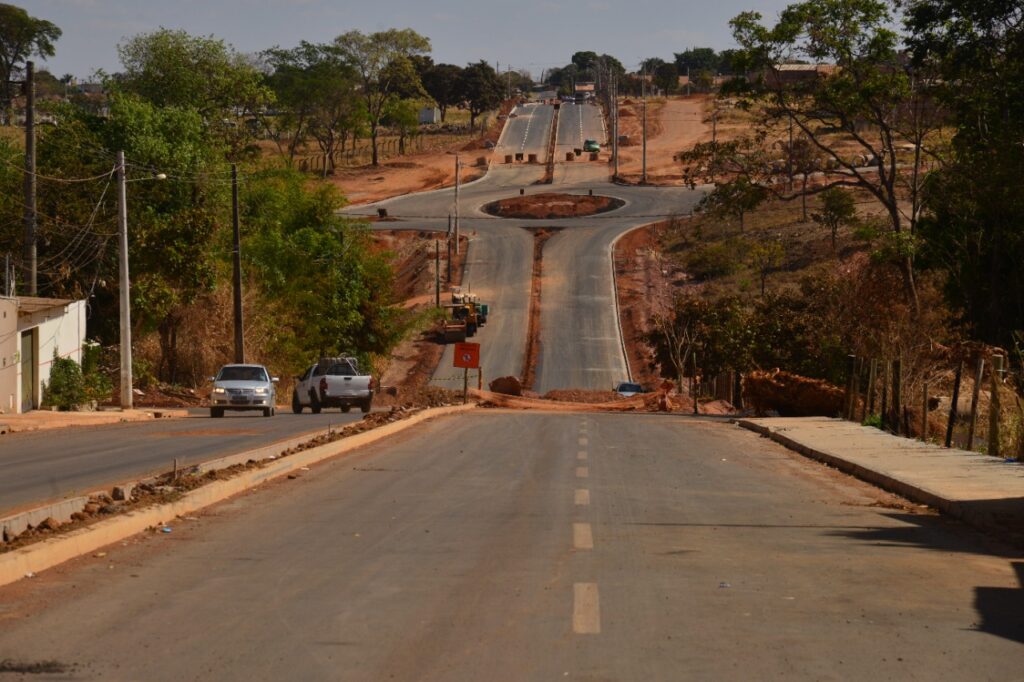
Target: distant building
31	329
430	115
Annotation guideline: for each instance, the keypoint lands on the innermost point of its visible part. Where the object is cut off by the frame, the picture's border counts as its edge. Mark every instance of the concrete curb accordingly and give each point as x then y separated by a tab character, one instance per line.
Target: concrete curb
981	519
16	564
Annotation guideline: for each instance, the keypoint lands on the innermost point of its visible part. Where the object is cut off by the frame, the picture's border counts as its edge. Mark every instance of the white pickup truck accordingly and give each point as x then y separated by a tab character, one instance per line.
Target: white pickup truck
333	382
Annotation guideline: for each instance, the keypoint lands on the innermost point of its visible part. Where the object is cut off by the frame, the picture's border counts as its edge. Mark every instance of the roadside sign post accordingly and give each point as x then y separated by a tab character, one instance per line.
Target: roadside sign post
467	357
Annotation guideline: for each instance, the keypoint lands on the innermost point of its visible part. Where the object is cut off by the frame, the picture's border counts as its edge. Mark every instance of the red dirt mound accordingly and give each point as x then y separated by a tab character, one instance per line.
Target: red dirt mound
791	395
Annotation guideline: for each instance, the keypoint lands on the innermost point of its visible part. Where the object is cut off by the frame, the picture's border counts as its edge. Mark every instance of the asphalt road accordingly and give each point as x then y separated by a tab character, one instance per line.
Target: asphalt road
38	466
580	341
525	546
576	123
527	132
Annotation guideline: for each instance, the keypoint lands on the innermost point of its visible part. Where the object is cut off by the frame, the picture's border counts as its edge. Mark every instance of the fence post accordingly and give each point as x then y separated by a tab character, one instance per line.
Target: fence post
897	406
924	411
869	402
884	411
851	367
993	405
978	372
858	367
693	384
953	406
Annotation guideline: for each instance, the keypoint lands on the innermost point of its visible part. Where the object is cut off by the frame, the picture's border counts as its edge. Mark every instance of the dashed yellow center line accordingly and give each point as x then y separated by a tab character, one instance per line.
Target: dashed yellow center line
586	609
582	536
582	472
582	497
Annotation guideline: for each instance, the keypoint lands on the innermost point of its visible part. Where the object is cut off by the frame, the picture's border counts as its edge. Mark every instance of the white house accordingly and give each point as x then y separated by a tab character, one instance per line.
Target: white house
31	329
430	115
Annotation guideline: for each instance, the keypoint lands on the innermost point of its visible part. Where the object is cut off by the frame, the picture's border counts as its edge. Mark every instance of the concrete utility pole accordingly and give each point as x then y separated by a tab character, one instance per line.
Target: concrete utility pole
31	261
236	257
125	293
615	127
458	167
644	175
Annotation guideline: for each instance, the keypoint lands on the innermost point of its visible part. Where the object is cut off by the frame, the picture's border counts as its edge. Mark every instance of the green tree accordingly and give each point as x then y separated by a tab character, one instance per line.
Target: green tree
976	210
838	210
871	95
443	82
175	69
697	59
316	92
66	388
403	115
21	36
666	77
765	257
482	88
383	63
733	199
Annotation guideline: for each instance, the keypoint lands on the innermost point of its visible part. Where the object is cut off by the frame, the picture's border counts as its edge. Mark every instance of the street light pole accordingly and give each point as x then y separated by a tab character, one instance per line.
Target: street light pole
125	293
237	266
458	168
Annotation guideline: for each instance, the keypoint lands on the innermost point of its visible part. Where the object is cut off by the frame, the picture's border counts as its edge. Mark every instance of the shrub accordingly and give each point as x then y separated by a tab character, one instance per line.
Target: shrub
66	388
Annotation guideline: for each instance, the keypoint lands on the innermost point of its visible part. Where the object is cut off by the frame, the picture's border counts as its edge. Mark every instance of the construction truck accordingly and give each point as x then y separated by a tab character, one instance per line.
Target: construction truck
461	321
481	309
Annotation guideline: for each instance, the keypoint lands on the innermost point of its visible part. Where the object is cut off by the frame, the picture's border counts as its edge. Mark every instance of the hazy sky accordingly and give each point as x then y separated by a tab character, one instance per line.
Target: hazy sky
529	34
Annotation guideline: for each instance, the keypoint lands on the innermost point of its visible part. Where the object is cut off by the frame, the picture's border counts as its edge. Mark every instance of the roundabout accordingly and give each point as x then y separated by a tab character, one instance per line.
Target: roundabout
552	206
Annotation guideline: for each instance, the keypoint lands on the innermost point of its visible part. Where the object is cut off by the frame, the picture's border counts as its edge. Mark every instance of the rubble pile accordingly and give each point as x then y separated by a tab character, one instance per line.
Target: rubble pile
791	395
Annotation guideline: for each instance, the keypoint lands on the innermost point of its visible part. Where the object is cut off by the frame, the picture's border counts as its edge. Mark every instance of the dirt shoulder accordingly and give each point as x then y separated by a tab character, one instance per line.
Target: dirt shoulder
42	420
673	125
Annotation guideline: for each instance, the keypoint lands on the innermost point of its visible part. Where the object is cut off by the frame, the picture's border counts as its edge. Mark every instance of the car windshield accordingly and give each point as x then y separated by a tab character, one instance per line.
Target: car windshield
242	374
342	369
629	388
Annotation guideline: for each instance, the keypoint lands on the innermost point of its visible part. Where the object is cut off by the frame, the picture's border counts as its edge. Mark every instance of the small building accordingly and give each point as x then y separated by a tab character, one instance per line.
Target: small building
430	115
31	330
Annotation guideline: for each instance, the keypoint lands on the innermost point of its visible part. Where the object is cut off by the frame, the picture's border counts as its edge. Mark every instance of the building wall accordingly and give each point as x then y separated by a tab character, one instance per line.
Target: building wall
10	366
61	329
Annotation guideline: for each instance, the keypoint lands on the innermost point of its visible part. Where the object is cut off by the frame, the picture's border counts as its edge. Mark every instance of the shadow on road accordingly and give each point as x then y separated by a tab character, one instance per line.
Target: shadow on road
1001	609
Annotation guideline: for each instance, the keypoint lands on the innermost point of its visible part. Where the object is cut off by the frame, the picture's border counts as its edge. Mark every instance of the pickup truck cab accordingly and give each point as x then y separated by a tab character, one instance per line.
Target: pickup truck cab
333	382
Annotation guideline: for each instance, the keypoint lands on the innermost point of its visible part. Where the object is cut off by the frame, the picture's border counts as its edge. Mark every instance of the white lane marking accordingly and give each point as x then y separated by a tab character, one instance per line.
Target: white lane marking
583	440
581	455
582	497
586	609
582	536
582	472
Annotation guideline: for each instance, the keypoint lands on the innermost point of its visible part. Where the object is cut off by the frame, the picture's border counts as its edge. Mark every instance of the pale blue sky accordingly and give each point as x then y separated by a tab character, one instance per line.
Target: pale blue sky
530	34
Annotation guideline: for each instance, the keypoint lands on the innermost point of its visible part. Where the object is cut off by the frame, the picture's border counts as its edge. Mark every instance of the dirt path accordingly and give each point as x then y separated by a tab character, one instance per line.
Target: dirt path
416	173
673	125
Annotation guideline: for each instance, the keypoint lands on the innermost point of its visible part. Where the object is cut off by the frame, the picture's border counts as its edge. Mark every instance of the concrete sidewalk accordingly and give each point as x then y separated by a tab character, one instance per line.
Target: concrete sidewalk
986	492
38	420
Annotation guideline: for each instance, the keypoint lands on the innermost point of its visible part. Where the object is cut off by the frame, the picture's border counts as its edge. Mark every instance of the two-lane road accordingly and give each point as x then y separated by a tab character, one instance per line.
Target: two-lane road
527	131
47	465
524	546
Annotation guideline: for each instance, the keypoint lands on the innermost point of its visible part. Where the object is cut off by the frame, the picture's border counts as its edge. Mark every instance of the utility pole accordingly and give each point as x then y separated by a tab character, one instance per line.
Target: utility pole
31	261
7	276
125	292
615	127
458	168
437	273
643	179
236	257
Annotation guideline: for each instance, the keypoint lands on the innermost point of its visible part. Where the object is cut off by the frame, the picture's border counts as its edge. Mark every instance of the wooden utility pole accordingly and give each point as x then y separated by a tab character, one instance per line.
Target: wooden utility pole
995	379
437	273
953	406
127	399
897	385
979	372
236	257
31	254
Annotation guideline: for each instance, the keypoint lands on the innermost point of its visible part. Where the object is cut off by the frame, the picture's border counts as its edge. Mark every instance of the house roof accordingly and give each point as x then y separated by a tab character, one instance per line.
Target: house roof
34	304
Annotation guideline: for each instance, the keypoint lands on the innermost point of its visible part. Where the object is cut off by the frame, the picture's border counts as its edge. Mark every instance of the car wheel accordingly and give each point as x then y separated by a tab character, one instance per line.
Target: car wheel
314	403
268	411
216	412
296	405
346	408
366	405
